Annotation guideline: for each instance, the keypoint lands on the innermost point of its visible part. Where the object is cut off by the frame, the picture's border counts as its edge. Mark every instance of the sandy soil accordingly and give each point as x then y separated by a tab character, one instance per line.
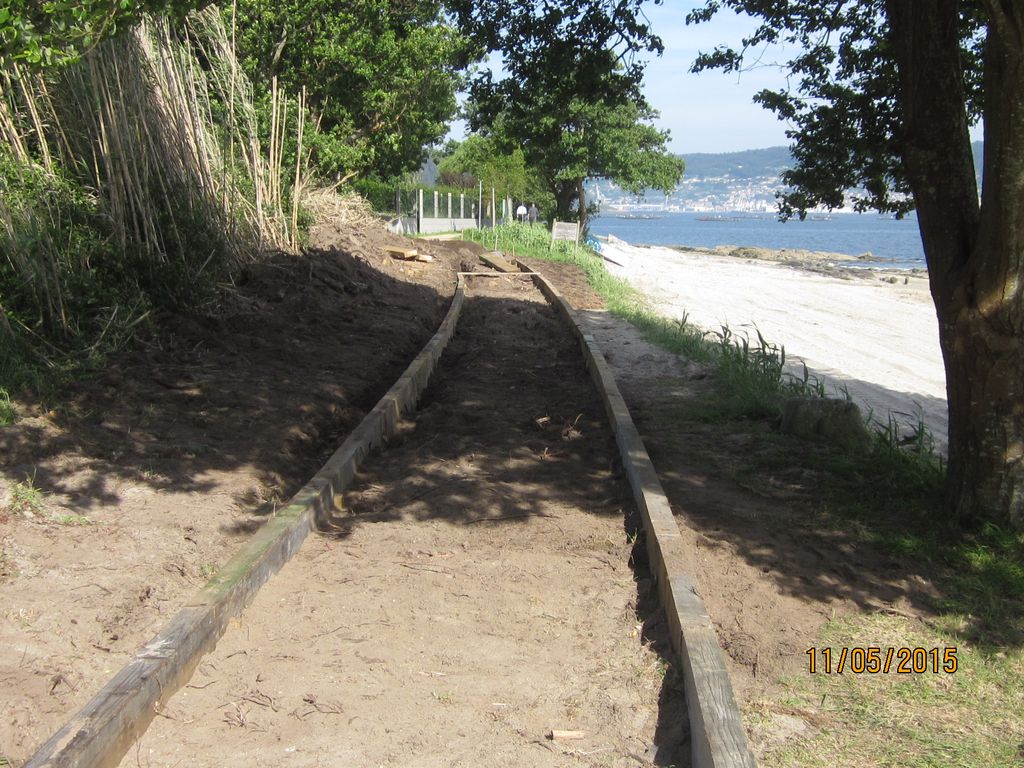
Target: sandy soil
155	469
853	328
478	596
161	464
482	591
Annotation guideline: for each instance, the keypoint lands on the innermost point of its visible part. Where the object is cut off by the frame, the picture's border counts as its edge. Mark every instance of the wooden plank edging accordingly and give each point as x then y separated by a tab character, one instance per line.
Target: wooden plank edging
716	728
105	728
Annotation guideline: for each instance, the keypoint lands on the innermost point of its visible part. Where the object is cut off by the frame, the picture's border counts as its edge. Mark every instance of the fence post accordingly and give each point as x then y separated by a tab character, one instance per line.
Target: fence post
419	211
449	205
398	202
494	214
435	204
462	205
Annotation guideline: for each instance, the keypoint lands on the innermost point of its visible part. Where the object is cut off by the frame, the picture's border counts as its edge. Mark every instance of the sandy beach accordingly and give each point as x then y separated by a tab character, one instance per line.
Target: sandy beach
873	333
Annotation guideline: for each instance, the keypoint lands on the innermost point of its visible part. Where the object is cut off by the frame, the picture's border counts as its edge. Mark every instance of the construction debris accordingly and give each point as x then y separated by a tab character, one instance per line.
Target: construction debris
407	254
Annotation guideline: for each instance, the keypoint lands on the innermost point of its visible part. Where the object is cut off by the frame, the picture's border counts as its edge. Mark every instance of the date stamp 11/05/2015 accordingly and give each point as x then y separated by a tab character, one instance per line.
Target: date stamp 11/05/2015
860	660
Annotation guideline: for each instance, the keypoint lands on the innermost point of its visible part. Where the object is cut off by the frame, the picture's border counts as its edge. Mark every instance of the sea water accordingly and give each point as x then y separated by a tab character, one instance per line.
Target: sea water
895	243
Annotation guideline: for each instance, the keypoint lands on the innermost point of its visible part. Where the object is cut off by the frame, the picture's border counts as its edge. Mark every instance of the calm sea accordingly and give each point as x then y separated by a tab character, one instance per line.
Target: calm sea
897	243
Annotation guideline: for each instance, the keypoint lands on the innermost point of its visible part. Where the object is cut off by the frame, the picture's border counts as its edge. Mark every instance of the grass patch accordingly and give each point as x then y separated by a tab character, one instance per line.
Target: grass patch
968	719
26	500
74	520
7	413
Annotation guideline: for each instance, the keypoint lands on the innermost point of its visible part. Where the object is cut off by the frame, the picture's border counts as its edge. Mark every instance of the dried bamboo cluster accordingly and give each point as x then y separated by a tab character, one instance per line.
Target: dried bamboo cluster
160	124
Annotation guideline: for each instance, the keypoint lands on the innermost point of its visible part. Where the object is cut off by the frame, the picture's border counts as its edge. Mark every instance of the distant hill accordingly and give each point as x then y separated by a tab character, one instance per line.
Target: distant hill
726	181
756	163
748	164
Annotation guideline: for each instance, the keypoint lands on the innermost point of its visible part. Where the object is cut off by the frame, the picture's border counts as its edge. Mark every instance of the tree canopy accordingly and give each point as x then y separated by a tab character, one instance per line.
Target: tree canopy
57	32
482	159
841	97
381	76
571	99
540	42
882	96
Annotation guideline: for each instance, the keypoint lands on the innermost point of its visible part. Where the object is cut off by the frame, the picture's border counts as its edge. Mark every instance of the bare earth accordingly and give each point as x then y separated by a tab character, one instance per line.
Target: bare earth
480	595
476	597
157	468
482	590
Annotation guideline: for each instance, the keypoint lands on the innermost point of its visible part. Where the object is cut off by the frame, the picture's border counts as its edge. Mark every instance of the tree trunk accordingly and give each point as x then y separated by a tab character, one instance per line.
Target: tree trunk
565	199
975	254
581	196
571	202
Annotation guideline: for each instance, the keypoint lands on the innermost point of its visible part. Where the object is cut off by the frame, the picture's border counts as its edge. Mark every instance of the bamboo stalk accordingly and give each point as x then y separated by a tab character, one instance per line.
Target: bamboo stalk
7	125
134	120
297	187
37	123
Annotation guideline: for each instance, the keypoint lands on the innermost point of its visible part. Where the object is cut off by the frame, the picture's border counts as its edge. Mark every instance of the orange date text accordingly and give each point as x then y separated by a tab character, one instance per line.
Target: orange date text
860	660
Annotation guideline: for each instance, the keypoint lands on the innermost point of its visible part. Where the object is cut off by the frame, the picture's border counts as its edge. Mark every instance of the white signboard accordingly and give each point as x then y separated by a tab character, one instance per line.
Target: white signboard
565	230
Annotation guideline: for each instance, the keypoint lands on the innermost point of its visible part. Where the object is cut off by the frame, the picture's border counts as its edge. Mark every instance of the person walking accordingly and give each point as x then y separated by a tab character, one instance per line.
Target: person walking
532	214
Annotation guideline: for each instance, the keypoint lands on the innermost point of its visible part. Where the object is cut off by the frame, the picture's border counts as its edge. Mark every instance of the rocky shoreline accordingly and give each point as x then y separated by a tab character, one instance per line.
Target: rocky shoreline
865	266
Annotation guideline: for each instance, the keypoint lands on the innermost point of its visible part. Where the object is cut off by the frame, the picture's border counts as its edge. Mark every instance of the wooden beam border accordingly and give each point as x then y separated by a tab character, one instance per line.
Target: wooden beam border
717	737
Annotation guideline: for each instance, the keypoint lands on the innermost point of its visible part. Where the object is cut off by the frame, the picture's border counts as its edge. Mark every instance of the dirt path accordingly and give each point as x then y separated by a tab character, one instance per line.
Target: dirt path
160	466
479	593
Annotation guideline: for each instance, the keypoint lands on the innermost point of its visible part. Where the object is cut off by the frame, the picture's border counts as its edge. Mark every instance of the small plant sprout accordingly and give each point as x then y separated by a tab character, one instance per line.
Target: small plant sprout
206	570
7	412
26	500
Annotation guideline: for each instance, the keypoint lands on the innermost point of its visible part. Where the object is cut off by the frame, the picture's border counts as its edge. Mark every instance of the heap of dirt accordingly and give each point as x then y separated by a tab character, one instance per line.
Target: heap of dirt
118	504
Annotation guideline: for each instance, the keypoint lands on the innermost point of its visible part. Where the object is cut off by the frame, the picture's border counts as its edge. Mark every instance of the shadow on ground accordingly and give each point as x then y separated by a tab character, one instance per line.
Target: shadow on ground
300	349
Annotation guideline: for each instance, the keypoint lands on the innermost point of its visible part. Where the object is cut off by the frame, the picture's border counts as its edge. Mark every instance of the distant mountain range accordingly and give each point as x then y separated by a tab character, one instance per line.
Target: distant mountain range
748	164
728	181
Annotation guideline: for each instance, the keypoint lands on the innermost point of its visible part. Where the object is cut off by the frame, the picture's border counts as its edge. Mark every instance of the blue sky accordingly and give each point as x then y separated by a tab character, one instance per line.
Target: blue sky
710	112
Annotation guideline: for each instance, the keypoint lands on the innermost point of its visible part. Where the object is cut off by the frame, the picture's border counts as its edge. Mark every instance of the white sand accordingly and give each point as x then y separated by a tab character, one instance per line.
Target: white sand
877	339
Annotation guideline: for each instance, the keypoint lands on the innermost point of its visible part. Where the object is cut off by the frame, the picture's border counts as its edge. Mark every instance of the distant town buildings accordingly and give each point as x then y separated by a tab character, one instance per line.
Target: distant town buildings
703	194
746	181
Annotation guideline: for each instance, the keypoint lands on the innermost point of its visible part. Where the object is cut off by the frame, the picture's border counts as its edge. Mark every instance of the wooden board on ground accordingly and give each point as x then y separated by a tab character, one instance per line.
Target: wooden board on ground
497	260
407	254
717	738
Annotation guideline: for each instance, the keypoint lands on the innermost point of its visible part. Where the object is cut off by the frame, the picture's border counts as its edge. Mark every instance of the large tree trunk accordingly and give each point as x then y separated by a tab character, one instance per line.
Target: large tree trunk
581	201
974	253
566	195
571	202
